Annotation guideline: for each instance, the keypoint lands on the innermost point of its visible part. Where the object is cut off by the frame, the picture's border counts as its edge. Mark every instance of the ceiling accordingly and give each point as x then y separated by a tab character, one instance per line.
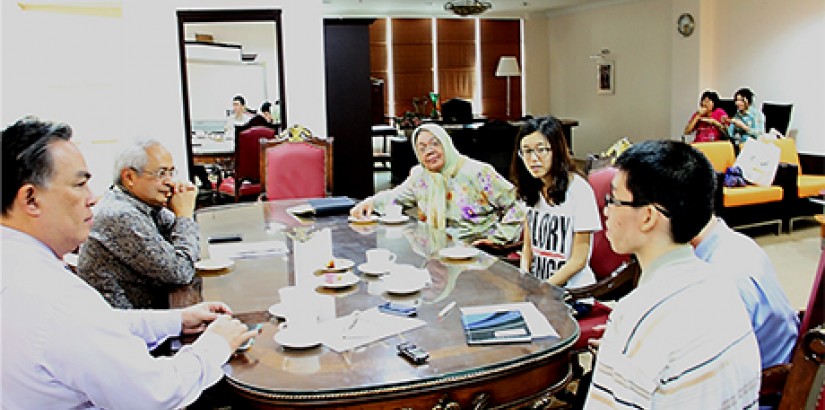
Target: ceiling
435	8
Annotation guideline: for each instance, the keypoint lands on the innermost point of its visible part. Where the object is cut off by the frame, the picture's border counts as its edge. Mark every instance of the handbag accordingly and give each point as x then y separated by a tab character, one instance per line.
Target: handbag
758	161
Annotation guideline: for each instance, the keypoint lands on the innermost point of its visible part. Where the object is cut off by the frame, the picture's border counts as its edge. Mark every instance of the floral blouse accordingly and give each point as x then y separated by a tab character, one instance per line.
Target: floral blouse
480	203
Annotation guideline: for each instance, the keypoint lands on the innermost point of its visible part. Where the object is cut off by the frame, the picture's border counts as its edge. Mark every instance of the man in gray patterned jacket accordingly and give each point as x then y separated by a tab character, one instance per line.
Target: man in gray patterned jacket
144	240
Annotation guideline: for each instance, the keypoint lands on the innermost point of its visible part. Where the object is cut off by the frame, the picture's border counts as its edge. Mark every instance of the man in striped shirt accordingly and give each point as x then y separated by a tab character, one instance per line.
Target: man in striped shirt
682	339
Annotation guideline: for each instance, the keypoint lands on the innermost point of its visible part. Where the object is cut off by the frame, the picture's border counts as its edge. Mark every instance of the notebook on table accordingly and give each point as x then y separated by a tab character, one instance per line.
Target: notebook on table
495	325
335	205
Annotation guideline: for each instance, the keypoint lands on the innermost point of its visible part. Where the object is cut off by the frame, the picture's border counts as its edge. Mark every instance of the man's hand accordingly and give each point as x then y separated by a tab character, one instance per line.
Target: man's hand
196	318
232	330
363	209
594	343
182	201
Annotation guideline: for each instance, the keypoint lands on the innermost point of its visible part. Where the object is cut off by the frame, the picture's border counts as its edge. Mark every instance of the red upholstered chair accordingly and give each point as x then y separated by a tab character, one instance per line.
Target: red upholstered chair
616	276
296	165
245	179
796	381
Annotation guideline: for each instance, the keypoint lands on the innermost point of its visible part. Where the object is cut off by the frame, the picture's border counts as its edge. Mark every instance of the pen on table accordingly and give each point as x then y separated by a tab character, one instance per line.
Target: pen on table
446	310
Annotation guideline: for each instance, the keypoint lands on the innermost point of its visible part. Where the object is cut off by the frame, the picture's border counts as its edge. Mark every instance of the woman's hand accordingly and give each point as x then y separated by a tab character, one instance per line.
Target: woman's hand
363	209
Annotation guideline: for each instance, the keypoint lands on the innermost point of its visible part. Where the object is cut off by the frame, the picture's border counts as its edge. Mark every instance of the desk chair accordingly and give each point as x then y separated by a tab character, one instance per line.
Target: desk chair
296	165
777	116
457	111
244	179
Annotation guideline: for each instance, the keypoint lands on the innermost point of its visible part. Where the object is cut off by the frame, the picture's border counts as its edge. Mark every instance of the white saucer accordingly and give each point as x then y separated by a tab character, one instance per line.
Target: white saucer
368	269
403	286
71	259
339	264
297	339
394	220
368	220
214	264
458	252
339	280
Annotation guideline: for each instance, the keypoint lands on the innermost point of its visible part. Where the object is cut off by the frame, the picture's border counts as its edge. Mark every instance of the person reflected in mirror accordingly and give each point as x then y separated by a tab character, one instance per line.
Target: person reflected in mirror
748	122
238	116
708	122
562	210
264	116
63	346
451	191
682	339
144	240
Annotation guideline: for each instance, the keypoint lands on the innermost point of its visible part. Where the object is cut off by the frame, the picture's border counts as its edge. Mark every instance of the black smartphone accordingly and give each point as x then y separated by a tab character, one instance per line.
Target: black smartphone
413	353
398	309
233	237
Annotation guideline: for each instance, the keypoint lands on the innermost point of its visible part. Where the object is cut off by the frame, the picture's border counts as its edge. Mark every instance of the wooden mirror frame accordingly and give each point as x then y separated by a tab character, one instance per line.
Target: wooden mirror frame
225	16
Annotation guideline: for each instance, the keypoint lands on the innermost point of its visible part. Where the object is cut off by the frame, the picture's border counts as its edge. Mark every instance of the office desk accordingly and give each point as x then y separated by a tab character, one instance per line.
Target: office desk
373	376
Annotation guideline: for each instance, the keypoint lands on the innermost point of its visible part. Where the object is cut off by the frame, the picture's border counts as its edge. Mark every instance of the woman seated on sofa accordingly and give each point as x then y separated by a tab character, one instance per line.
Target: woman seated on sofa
466	197
708	122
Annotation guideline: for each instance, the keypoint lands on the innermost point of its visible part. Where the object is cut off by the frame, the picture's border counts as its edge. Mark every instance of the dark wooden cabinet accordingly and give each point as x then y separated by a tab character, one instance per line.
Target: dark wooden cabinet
347	64
377	102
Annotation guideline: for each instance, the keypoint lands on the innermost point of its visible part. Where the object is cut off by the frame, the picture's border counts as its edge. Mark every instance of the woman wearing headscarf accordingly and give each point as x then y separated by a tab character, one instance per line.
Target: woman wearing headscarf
466	197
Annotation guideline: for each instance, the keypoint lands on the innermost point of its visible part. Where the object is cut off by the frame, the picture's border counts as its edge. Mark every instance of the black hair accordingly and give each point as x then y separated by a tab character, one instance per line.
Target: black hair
239	98
26	156
528	187
674	176
266	106
746	93
712	96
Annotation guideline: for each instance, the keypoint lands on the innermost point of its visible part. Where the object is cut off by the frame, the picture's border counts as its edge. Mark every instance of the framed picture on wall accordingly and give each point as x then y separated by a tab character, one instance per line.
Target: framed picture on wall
605	77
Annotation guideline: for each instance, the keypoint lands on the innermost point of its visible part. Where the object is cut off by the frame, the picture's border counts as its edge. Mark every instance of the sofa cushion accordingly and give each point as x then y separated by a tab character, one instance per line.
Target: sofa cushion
810	185
751	194
719	153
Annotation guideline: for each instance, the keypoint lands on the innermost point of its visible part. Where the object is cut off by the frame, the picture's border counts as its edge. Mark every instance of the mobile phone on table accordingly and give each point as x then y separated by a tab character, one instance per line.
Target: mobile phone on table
398	309
234	237
413	353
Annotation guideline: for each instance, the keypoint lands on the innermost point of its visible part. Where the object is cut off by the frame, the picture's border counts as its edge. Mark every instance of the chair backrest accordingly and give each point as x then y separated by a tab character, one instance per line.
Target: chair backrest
728	105
296	165
603	260
787	151
777	116
247	153
457	111
719	153
498	139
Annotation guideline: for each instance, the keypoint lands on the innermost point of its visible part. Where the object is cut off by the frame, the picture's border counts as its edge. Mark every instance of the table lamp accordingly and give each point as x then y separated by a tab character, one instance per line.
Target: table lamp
508	67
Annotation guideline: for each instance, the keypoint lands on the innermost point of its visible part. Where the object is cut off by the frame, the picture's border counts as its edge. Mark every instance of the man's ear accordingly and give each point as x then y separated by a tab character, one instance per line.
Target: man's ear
650	218
27	199
127	177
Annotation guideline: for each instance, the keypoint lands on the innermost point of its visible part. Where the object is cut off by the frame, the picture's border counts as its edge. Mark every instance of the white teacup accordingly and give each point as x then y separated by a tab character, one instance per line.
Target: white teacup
393	211
380	258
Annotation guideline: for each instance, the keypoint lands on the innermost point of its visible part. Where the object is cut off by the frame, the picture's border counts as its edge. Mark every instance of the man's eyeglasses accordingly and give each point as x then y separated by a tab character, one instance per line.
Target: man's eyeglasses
540	152
611	200
161	173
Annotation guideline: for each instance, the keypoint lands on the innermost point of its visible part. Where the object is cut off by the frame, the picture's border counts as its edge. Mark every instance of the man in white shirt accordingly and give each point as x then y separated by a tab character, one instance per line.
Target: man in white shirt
63	345
682	339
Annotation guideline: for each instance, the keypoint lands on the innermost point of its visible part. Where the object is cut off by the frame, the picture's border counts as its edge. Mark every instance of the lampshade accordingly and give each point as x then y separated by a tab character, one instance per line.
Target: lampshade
507	67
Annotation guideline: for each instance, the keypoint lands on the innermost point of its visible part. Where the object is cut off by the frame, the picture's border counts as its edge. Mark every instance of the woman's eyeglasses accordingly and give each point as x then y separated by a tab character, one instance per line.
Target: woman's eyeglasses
539	152
611	200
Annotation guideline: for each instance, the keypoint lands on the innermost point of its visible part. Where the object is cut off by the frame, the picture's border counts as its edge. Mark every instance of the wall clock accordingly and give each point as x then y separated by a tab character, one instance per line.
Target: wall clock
685	24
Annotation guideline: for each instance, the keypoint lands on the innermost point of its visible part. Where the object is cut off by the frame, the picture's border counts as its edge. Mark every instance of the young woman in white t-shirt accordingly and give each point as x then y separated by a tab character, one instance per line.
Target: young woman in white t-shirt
562	213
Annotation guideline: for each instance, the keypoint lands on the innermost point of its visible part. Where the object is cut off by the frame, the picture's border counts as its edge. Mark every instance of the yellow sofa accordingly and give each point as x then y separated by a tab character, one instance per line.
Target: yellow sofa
742	206
807	185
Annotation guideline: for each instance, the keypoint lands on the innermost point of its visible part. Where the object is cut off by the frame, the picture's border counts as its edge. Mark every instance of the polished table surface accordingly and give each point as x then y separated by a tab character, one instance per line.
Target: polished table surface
373	376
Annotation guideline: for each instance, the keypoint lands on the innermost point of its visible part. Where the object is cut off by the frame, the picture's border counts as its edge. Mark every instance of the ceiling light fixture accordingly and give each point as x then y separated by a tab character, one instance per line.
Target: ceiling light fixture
466	8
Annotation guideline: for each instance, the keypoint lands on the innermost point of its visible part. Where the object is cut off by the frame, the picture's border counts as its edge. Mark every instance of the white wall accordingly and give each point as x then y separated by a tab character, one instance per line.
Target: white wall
113	79
638	35
773	47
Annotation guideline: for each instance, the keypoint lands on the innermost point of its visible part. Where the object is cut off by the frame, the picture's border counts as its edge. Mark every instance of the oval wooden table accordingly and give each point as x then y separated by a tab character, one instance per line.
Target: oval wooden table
374	376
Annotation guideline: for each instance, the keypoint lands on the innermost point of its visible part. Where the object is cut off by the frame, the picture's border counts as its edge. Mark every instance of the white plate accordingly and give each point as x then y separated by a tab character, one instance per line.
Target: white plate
71	259
339	264
394	220
339	280
458	252
368	220
368	269
294	339
214	264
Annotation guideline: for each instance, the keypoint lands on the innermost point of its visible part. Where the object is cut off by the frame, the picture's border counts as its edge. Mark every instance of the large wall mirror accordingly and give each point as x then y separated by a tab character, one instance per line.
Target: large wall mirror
224	53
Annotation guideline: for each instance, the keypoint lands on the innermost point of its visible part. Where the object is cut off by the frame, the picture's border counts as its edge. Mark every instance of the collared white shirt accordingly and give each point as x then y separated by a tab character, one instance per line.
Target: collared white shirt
63	346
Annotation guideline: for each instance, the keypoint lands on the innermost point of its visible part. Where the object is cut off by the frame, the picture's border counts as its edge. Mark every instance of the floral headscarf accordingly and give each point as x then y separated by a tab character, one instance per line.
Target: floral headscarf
453	161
